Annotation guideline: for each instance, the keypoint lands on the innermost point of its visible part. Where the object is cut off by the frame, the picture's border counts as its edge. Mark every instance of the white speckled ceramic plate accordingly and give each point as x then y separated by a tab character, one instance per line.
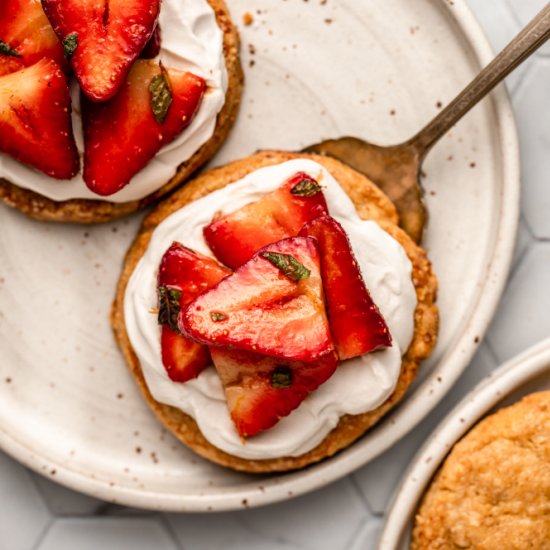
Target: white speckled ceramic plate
68	407
527	373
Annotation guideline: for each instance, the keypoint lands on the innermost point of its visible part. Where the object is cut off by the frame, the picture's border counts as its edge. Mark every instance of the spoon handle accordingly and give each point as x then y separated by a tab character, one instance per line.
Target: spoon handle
521	47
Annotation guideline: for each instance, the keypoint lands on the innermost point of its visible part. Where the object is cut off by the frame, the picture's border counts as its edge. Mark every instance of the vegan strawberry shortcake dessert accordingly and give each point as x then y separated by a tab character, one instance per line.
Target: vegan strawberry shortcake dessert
107	106
272	311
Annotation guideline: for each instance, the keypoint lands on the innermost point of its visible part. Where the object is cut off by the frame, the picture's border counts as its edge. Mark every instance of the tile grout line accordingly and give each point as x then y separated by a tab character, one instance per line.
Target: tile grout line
359	492
513	14
514	269
45	530
40	492
354	539
523	218
163	517
492	353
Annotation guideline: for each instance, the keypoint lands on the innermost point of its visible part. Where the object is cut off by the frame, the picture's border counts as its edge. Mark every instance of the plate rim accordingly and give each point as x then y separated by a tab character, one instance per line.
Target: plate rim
511	375
428	394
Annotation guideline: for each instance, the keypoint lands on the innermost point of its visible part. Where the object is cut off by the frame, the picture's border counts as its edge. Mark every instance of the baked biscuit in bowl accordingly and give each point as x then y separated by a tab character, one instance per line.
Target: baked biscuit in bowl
482	480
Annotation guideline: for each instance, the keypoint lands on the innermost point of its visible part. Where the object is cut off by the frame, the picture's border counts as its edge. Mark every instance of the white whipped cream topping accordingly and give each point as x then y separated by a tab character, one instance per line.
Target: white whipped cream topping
358	385
190	40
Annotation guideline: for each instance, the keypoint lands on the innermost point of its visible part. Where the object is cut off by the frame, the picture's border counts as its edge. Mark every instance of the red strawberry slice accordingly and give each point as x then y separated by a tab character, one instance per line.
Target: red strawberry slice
183	275
356	325
235	237
152	48
123	134
102	38
261	390
182	358
35	119
272	305
26	36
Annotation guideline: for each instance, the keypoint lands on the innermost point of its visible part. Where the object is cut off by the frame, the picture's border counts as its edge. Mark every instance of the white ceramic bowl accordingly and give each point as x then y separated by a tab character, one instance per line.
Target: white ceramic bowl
69	408
526	373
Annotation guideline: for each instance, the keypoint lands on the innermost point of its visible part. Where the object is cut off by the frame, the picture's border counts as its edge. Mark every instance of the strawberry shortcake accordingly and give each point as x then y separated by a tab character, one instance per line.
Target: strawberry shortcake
107	106
272	311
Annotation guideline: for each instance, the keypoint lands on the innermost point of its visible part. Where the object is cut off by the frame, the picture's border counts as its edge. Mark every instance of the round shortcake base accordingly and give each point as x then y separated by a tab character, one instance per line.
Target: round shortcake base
42	208
494	487
372	204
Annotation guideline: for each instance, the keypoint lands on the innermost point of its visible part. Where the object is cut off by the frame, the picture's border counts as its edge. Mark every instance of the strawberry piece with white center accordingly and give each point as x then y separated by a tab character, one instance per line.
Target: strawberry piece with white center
26	36
123	134
35	119
235	237
102	38
356	325
261	390
183	275
272	305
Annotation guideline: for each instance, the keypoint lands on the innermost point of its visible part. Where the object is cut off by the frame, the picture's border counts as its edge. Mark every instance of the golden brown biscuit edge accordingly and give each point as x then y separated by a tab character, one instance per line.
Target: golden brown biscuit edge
493	488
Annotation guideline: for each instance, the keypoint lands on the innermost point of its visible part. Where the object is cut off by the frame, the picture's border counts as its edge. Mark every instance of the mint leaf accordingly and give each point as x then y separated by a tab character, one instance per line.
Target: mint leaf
288	265
70	43
281	378
161	96
306	188
6	49
217	317
169	307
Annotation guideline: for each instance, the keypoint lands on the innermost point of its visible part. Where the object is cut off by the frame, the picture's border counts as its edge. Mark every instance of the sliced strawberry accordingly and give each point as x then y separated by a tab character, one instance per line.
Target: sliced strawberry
183	275
152	48
102	38
123	134
272	305
10	63
182	358
235	237
355	322
35	119
261	390
26	36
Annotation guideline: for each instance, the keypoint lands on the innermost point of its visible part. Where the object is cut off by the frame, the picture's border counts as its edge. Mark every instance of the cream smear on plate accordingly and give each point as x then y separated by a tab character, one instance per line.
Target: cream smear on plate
190	40
358	385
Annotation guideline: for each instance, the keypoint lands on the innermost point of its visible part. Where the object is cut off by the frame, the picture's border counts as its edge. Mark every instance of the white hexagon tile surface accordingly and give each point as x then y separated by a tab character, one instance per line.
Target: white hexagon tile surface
38	514
322	520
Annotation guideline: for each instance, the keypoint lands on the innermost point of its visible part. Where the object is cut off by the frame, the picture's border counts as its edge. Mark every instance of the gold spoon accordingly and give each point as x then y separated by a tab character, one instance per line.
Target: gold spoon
396	168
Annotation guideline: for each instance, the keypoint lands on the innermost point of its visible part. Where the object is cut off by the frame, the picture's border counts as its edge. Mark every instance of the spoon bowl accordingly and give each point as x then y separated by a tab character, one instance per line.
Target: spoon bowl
396	169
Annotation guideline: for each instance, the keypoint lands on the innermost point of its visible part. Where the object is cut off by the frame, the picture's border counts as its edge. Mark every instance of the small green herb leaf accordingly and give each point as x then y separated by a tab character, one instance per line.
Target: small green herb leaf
288	265
161	96
70	43
306	188
169	307
6	49
281	378
217	317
